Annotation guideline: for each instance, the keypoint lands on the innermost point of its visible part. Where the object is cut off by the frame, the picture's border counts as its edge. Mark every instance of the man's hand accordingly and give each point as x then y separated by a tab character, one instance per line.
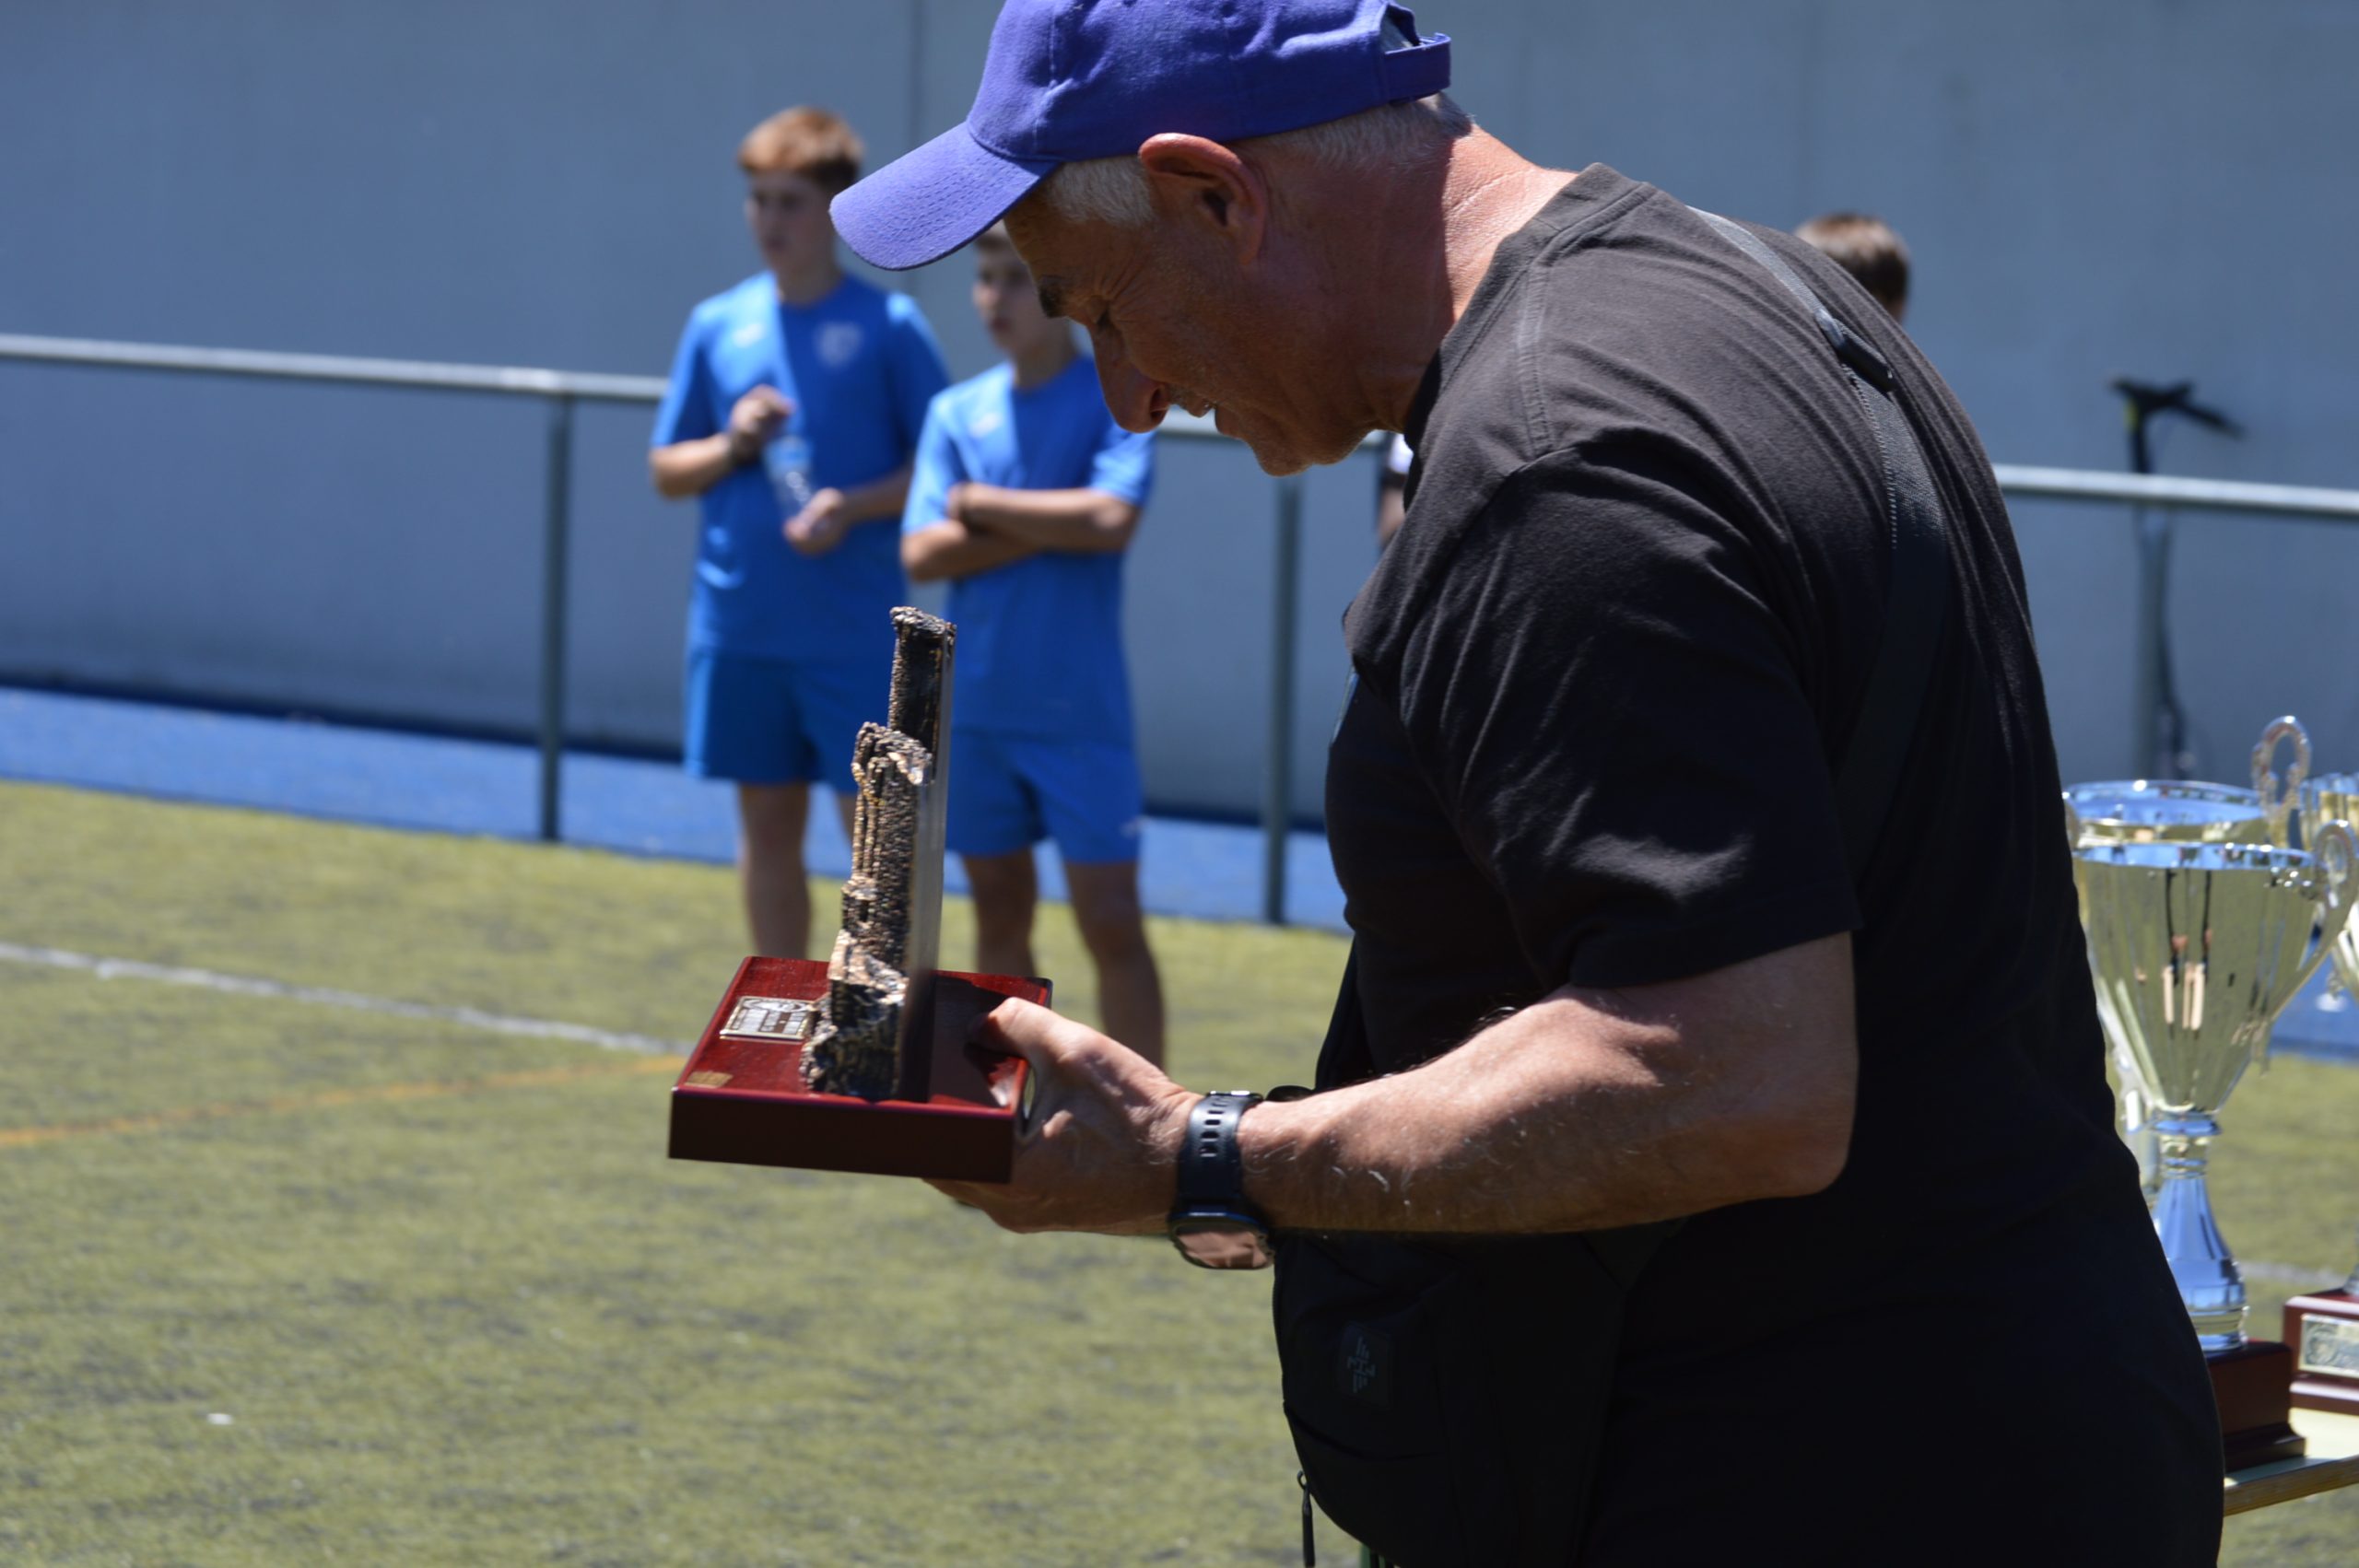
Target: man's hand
820	526
756	419
1103	1148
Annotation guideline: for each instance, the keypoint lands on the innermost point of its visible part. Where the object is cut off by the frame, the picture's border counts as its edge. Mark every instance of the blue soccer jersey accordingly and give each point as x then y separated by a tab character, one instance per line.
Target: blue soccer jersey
860	368
1039	639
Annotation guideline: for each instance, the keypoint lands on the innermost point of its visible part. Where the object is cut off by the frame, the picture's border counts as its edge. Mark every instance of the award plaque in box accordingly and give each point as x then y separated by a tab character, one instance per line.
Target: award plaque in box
861	1063
743	1099
2323	1328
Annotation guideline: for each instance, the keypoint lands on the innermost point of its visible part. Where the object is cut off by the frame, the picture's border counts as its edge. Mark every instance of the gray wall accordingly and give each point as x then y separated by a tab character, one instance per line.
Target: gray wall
2156	188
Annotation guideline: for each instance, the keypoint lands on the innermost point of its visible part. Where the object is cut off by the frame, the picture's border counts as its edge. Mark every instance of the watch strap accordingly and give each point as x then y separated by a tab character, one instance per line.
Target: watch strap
1212	1169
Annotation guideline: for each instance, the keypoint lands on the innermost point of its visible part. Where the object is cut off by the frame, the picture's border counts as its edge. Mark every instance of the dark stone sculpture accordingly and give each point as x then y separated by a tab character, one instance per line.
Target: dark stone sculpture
880	976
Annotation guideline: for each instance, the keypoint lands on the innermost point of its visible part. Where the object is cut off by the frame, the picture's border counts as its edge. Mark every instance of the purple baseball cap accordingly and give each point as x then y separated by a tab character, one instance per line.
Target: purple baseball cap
1067	81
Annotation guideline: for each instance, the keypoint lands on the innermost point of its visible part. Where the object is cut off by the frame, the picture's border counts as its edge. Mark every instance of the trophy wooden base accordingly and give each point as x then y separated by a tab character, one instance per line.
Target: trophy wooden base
2323	1328
741	1099
2253	1387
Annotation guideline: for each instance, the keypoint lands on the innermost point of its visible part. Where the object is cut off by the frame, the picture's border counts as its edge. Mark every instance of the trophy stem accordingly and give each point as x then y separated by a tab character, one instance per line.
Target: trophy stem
2209	1280
2136	1108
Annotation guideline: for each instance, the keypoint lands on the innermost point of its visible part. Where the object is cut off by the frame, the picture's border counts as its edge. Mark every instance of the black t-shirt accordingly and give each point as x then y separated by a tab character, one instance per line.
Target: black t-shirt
1602	681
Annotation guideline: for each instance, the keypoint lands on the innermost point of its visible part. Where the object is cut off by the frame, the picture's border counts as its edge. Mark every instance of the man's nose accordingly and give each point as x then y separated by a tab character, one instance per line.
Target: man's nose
1138	403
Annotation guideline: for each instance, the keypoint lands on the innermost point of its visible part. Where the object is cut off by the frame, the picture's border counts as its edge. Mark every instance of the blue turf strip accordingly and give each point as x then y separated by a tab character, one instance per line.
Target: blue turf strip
389	778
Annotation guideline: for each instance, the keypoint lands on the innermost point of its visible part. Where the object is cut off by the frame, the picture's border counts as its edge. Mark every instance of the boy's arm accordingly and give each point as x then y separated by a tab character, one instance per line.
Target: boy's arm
831	513
1084	520
691	450
878	498
690	468
933	545
693	465
914	374
948	549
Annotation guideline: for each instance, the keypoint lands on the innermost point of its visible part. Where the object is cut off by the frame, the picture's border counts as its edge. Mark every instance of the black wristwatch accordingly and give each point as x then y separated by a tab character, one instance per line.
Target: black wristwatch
1212	1224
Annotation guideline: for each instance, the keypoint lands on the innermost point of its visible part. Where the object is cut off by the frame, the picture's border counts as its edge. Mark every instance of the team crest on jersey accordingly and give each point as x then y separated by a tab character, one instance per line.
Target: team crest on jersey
839	343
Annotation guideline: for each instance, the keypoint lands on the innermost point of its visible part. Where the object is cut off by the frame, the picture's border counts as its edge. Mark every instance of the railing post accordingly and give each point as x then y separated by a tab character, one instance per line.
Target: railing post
2147	529
557	526
1277	776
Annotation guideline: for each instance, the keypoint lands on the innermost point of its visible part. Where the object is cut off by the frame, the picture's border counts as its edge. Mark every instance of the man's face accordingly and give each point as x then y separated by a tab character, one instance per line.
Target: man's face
788	213
1009	303
1174	321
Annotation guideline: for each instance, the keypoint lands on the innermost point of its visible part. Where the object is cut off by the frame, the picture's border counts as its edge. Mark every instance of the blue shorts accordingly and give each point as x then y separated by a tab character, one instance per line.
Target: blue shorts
756	720
1007	793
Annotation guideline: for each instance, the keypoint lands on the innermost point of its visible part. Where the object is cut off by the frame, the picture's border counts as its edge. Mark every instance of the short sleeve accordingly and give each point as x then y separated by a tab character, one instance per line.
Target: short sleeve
914	362
1612	707
688	413
936	467
1123	465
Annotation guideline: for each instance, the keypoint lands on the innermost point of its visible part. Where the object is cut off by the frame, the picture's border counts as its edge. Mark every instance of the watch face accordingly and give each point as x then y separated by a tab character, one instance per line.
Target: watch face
1222	1241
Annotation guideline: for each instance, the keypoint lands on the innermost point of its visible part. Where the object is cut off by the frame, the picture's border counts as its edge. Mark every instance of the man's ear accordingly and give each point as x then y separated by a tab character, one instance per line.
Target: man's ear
1203	184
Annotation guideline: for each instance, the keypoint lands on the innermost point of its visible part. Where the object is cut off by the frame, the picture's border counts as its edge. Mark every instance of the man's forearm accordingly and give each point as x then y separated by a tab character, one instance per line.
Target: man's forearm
1574	1114
1587	1109
1081	520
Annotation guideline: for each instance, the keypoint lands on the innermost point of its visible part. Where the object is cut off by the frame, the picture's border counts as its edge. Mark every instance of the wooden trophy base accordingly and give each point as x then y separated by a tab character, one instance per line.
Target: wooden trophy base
2323	1328
741	1099
2253	1386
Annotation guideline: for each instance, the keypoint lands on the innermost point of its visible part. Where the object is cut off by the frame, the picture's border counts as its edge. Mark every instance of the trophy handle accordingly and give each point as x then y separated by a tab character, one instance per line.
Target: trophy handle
2336	856
2277	805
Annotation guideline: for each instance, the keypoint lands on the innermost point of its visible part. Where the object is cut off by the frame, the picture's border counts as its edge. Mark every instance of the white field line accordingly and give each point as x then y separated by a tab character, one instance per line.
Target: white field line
551	1029
351	1002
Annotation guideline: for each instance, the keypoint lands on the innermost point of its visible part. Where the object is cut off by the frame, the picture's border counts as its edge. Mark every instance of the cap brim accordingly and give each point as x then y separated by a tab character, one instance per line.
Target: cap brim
927	203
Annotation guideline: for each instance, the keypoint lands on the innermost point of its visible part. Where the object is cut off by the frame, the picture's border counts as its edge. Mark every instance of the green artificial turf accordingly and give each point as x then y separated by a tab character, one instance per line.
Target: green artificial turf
495	1325
456	1306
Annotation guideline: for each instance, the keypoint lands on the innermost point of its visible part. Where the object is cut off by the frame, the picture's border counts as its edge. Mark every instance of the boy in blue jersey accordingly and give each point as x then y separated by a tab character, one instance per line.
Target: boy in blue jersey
1024	495
795	403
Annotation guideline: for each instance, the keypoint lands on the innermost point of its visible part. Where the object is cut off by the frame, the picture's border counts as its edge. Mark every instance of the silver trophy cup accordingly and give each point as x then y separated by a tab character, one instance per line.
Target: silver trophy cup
2146	810
2195	948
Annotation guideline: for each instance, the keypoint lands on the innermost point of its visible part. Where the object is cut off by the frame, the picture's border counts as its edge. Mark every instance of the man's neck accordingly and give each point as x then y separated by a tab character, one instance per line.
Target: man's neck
808	285
1490	191
1044	361
1441	233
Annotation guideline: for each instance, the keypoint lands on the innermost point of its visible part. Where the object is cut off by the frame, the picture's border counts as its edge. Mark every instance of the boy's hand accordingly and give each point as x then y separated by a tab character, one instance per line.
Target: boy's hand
1102	1152
820	526
756	419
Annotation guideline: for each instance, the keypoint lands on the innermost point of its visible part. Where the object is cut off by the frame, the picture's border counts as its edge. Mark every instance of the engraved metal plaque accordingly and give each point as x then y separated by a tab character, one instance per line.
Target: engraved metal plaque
2330	1345
769	1018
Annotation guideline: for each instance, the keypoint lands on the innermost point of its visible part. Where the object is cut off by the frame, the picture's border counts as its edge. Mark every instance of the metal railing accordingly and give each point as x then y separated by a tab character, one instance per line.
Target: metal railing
561	390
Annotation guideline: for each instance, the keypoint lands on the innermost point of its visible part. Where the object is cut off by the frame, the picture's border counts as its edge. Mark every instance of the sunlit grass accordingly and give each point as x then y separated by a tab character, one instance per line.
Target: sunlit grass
407	1293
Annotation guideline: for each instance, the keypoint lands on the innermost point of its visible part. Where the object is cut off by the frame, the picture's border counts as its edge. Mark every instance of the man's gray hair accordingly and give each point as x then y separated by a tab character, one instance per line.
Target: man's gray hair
1391	136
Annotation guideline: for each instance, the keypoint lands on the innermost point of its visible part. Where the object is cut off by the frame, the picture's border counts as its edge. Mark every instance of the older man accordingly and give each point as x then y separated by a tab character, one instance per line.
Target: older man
1714	1153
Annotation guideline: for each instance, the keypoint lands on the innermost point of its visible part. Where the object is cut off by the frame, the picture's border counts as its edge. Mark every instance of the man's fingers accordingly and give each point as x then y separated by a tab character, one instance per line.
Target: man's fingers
1016	1027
